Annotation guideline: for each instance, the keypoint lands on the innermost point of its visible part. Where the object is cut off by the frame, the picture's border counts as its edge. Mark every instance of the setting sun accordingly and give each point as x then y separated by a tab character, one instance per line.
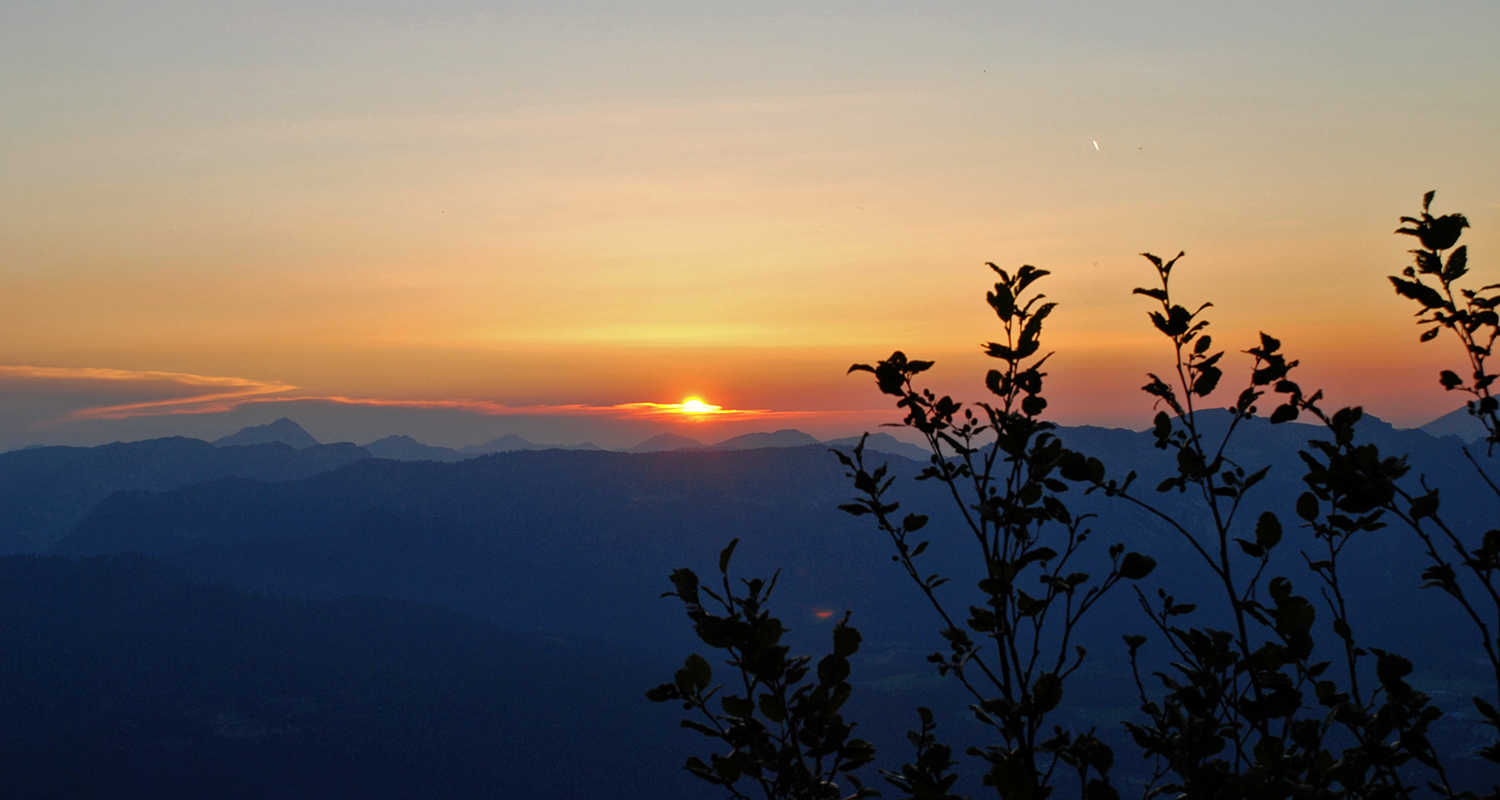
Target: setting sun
695	406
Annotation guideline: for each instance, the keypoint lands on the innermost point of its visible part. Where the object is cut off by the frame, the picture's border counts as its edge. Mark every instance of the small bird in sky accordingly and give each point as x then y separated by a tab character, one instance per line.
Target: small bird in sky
1096	146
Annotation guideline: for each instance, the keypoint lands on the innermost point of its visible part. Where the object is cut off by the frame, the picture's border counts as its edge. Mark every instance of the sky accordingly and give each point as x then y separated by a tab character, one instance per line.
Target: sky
456	220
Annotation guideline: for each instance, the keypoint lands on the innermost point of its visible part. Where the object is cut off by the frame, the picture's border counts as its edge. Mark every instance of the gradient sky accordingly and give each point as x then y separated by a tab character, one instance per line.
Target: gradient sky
519	216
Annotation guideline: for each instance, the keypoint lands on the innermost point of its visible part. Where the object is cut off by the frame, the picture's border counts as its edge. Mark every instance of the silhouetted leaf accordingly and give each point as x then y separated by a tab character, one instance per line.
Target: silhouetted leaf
1136	566
1268	530
1047	691
698	671
1420	292
845	640
1284	413
1307	506
726	554
736	706
832	669
1424	506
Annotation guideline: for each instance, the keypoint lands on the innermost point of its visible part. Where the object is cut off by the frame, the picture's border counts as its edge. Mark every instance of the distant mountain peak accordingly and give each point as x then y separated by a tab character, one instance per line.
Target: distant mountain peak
1458	422
282	430
396	438
884	443
665	441
510	442
405	448
786	437
504	444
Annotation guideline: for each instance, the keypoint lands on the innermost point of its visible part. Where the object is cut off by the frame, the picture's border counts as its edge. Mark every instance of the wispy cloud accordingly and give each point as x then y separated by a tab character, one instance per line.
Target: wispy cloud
209	394
679	411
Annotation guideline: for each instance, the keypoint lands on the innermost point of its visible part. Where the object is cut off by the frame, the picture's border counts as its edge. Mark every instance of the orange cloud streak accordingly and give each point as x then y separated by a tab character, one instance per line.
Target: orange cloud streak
627	410
233	392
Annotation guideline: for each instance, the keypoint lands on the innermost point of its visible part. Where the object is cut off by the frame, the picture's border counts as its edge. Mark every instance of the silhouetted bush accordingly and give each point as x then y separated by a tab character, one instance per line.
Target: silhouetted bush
1255	688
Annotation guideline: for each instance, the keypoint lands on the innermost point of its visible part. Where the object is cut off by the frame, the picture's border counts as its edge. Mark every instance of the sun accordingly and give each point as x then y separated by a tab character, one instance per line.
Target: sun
694	405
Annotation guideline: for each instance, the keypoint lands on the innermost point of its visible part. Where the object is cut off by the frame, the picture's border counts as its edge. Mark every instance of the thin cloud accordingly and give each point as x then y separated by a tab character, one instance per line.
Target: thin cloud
226	393
621	410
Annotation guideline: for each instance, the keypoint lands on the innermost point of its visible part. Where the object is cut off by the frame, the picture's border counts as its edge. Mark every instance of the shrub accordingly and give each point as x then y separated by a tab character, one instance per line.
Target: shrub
1280	702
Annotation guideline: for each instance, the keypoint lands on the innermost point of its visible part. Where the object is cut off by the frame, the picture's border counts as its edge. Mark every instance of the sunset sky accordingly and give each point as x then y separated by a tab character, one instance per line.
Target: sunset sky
457	220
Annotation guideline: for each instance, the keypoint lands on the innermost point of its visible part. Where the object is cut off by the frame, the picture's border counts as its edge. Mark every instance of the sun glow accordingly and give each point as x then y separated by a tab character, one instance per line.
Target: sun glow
693	405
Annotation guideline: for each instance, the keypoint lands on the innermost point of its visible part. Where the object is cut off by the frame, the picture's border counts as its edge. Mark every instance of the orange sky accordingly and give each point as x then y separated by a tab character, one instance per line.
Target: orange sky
580	205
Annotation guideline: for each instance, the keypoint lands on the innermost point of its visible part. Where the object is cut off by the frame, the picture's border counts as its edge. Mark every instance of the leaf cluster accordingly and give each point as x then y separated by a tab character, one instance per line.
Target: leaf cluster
1249	711
1283	701
779	715
1007	474
1470	314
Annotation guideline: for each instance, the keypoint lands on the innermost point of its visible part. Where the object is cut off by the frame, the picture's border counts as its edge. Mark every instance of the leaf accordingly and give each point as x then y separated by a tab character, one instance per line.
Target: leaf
1487	711
1028	274
1208	379
1268	530
736	706
1458	264
1136	566
832	669
726	554
1442	232
1307	506
1418	291
845	640
1162	425
997	382
1425	505
698	671
997	350
1003	301
1391	668
686	583
1047	691
1033	331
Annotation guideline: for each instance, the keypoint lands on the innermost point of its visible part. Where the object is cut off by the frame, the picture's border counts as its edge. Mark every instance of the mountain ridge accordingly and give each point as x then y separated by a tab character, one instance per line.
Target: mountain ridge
283	430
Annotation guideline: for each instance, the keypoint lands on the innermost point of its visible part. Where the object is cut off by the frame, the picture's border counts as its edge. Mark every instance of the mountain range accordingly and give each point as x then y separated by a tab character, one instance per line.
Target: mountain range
46	491
531	548
405	448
